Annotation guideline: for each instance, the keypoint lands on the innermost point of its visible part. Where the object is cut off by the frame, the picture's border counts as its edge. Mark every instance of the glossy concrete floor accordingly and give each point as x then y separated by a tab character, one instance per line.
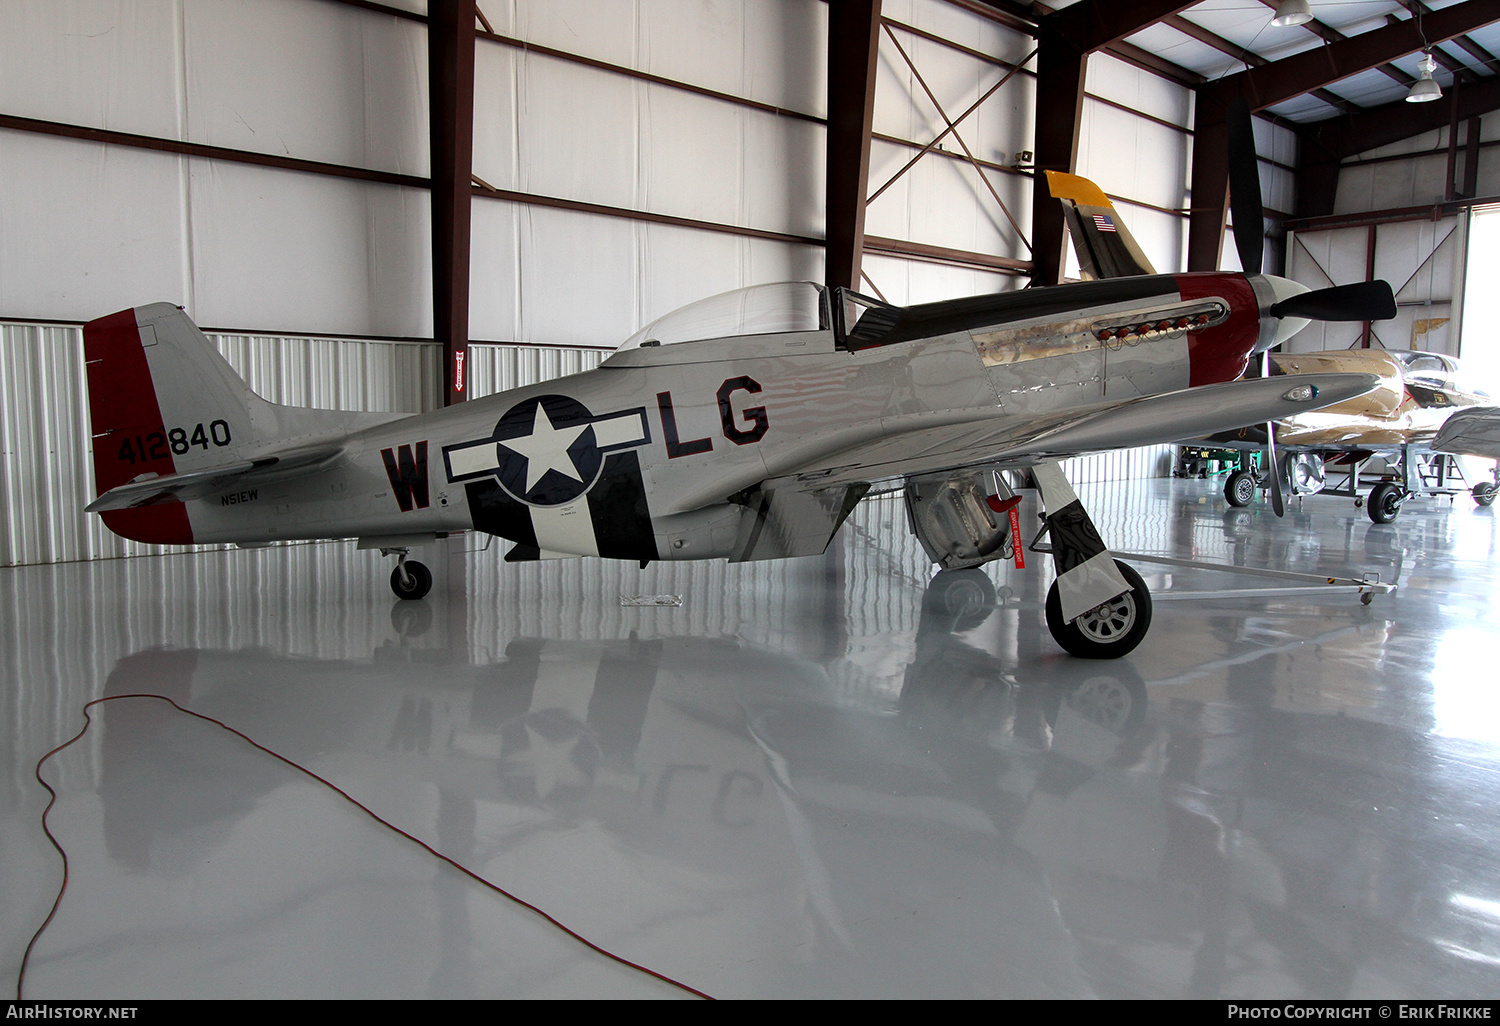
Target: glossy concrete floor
826	777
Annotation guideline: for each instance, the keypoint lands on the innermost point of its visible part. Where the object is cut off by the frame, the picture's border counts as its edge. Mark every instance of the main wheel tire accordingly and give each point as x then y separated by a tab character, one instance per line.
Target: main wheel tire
415	584
1484	493
1240	489
1109	630
1385	502
962	599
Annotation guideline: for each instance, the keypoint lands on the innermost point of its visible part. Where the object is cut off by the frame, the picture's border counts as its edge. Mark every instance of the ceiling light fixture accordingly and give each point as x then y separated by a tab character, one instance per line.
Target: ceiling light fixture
1292	12
1424	88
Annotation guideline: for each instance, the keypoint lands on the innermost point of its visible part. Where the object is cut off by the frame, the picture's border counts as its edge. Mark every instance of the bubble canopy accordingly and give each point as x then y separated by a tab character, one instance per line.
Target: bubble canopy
758	310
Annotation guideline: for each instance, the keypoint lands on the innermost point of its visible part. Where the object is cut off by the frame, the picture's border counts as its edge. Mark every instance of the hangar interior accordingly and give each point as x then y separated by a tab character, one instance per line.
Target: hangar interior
841	775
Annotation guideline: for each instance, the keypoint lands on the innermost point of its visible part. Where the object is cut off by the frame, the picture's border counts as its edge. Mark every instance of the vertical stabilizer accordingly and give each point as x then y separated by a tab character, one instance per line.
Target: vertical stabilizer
162	401
1105	247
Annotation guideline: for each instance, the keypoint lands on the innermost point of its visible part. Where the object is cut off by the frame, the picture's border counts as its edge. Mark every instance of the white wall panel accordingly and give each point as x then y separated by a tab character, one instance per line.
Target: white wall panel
580	277
338	374
559	277
692	156
1126	84
546	126
46	475
1419	180
772	51
87	229
774	261
602	29
952	22
786	54
308	252
577	133
321	81
782	180
914	281
99	63
495	270
1134	158
1276	143
942	202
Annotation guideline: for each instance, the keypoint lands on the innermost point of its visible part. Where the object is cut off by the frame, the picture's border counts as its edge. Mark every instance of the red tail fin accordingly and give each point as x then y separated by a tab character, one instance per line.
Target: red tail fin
129	436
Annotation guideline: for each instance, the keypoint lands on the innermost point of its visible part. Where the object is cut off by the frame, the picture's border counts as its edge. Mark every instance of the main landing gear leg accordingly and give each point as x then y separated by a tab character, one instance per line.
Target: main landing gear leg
1097	608
410	579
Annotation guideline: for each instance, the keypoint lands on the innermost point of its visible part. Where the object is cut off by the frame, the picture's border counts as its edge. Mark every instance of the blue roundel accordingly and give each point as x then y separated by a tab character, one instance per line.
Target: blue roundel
547	451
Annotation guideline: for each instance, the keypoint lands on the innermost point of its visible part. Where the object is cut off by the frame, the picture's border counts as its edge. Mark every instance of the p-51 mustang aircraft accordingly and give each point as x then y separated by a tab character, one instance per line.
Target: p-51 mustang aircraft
743	427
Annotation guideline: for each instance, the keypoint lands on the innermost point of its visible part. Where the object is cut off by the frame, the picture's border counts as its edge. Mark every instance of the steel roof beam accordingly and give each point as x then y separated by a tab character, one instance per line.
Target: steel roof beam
1282	80
853	49
1239	53
1301	73
1094	24
450	79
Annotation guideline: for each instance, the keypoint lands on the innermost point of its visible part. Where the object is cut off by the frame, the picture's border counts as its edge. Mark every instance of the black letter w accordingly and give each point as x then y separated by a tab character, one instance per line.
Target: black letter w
408	476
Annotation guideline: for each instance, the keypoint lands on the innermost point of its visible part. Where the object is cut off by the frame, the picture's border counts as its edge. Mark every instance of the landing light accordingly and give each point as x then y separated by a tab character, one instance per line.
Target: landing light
1300	394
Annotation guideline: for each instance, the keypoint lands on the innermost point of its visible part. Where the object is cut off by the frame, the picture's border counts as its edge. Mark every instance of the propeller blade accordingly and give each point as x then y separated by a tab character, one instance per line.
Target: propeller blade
1362	301
1244	188
1278	501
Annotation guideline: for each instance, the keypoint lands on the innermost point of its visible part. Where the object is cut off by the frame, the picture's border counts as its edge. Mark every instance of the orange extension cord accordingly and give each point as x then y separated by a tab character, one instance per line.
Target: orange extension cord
88	721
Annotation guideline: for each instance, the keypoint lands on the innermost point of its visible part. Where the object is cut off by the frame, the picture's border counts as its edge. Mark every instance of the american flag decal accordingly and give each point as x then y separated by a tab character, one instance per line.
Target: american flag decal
1103	223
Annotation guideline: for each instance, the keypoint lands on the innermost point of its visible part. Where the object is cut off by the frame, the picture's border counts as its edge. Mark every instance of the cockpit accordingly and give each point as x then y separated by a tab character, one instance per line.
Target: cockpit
774	309
855	322
1437	371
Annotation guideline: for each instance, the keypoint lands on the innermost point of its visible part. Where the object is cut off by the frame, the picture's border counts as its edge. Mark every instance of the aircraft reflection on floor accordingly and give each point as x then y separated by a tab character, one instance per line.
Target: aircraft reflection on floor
839	778
738	782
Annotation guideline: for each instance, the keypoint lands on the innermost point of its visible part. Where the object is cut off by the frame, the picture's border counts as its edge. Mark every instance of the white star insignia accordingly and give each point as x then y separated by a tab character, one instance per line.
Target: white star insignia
546	448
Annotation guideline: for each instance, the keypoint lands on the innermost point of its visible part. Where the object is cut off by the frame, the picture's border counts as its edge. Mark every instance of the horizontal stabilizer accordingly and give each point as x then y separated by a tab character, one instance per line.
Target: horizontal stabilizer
152	489
1471	432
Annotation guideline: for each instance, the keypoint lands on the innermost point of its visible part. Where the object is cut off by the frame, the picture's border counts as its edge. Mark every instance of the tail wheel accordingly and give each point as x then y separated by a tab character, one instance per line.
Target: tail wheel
411	580
1240	488
1484	493
1385	502
1109	630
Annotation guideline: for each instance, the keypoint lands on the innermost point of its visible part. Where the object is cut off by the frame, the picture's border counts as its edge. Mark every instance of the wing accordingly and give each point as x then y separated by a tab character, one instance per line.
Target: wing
1471	432
799	507
1105	247
148	490
1008	441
